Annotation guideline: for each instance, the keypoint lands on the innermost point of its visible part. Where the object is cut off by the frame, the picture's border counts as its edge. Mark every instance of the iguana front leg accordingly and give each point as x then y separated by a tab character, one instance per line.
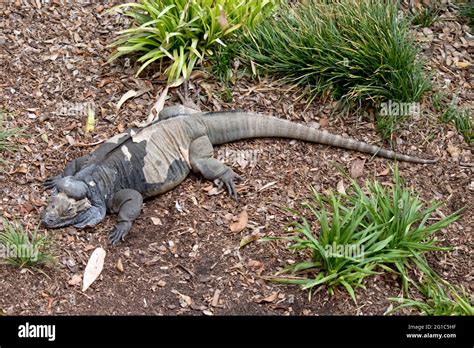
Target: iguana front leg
71	169
202	162
128	204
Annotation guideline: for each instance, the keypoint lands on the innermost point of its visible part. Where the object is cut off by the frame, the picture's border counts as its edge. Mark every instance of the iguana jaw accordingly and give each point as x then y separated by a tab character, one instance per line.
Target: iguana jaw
65	211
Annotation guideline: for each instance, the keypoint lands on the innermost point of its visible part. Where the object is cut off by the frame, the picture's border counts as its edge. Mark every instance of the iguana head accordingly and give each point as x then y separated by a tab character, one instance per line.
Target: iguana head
69	204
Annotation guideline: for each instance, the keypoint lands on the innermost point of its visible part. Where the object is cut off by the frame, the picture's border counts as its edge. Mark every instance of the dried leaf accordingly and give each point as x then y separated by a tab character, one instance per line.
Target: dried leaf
222	19
357	168
119	265
340	187
214	191
70	140
240	225
90	123
323	122
21	168
125	97
184	300
88	247
384	172
254	264
44	137
156	221
249	239
75	280
267	185
454	151
463	64
94	268
270	298
215	298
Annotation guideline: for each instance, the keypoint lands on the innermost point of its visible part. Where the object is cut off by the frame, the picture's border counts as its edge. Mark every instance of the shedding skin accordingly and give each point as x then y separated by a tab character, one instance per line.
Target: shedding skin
145	162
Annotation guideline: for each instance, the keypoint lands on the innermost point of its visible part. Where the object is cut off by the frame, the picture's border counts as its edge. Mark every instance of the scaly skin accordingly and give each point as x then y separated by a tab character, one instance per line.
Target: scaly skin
146	162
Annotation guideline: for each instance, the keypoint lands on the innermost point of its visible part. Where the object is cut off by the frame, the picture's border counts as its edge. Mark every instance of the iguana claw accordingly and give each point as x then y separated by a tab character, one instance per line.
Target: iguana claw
51	183
119	232
228	179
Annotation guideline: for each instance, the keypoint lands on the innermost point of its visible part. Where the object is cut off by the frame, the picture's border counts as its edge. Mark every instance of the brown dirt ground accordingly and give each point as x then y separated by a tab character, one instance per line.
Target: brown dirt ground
53	57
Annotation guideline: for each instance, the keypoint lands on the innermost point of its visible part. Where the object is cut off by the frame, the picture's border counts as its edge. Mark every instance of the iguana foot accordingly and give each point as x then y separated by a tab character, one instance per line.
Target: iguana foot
119	232
228	179
52	182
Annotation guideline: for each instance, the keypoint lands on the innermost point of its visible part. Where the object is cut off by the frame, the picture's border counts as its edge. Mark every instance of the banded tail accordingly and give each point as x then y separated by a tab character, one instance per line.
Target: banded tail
224	127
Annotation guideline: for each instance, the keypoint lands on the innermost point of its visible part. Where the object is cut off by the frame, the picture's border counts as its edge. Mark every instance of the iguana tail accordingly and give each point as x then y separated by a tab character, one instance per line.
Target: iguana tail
224	127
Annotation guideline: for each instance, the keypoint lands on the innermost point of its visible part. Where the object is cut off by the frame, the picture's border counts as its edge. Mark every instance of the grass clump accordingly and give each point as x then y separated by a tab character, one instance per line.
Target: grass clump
357	234
21	248
440	299
355	50
426	15
466	10
6	134
462	120
221	67
179	33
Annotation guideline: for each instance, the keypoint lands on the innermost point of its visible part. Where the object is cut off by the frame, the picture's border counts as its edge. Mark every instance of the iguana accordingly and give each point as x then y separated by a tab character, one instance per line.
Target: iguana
145	162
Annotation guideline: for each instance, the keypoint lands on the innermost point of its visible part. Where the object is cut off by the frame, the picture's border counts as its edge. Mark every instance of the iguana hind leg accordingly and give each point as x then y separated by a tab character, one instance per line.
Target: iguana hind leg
202	162
174	111
128	204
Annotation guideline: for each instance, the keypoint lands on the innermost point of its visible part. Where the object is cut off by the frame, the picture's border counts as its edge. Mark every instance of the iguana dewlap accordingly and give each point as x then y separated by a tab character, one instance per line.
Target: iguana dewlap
146	162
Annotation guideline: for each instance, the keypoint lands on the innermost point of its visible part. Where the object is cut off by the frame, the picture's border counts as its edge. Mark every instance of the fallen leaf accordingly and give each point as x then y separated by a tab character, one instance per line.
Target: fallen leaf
161	283
75	280
270	298
291	193
267	185
184	300
156	221
90	123
156	108
323	122
104	82
384	172
88	247
215	298
357	168
44	137
21	168
119	265
454	151
249	239
214	191
94	268
463	64
240	225
222	19
70	140
340	187
125	97
254	264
